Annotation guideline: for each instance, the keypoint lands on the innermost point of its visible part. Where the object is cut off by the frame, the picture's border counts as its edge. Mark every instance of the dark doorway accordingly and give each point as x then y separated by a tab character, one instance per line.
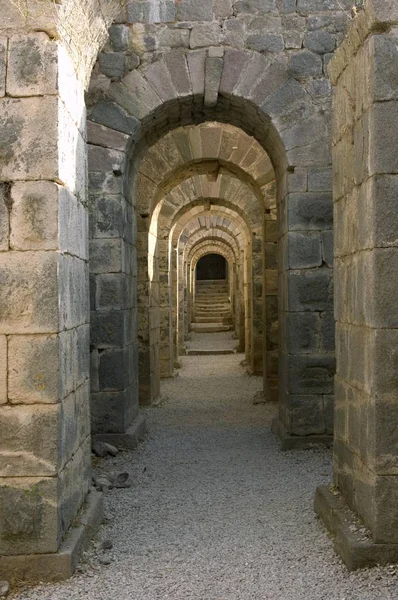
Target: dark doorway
211	266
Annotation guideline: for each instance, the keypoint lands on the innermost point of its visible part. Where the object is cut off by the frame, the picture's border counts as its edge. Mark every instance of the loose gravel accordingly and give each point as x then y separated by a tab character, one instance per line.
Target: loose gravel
216	511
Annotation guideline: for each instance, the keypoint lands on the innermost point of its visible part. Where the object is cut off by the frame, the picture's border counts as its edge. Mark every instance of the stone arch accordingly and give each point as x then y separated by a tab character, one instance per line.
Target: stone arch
259	95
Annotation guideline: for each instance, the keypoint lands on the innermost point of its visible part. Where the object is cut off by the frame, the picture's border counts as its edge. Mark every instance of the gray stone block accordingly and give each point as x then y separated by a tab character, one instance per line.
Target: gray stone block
161	11
177	65
113	370
191	10
119	37
113	412
112	64
302	333
310	211
310	290
207	34
254	6
327	247
32	65
320	42
3	58
304	250
304	64
108	329
265	42
327	331
312	374
214	68
112	115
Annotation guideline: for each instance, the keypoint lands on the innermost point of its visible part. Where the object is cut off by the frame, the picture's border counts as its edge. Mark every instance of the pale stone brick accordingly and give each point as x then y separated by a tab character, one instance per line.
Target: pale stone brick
3	369
32	65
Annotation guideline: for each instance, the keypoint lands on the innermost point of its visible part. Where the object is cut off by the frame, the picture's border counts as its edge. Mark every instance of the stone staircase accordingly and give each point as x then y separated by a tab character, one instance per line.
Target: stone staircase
212	306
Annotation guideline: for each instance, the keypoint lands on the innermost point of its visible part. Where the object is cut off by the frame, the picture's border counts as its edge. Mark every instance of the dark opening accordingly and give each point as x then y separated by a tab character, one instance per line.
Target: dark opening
211	266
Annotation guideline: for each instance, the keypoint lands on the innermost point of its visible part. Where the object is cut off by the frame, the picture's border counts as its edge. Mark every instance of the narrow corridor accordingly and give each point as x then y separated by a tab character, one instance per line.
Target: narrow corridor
215	511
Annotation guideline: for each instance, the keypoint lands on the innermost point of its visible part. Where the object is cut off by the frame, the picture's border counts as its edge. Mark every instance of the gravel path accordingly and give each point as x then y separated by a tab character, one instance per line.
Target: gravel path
221	340
216	511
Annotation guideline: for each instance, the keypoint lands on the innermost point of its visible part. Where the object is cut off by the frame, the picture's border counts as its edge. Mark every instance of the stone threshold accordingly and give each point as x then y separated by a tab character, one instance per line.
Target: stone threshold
356	548
35	568
298	442
128	440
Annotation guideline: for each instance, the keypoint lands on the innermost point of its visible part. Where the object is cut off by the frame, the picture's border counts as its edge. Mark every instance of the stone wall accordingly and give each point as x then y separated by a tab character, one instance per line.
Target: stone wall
365	165
44	318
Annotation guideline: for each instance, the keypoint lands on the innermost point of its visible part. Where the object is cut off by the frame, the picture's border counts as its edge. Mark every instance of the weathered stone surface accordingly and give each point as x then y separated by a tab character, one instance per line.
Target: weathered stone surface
190	10
3	58
32	65
113	116
34	216
28	138
305	64
205	35
3	369
161	11
28	292
112	64
214	67
265	42
34	375
119	37
5	205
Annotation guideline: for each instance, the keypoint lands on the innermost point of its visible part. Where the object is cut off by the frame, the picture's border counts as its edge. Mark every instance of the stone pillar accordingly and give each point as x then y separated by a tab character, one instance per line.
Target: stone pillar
270	310
306	325
166	345
365	162
257	302
44	306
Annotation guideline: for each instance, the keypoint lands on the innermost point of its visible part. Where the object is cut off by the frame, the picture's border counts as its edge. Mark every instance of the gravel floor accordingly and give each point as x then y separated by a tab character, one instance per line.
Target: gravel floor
216	511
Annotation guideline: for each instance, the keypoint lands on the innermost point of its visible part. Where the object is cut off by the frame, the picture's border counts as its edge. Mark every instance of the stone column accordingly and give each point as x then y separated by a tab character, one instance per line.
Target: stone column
365	162
166	344
44	305
270	310
306	325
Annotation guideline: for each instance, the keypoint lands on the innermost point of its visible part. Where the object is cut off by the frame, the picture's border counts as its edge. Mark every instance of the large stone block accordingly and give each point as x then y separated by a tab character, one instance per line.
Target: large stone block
32	68
307	415
113	412
191	10
3	369
113	116
28	138
34	376
304	250
3	59
34	216
106	256
34	451
28	292
310	211
74	297
311	374
5	205
310	289
149	11
29	515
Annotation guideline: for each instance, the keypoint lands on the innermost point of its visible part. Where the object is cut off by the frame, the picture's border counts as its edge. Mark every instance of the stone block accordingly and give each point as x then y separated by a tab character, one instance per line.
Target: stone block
196	67
3	67
214	68
34	451
327	331
320	42
302	333
234	63
28	138
304	250
223	8
265	42
160	79
5	206
307	415
74	297
311	374
112	64
105	159
106	256
305	64
110	291
74	483
383	157
113	412
73	224
327	247
191	10
178	68
3	370
109	217
28	292
28	515
158	11
381	306
113	370
310	290
32	68
108	328
113	116
119	37
254	6
310	211
34	363
320	179
207	34
135	95
174	38
34	216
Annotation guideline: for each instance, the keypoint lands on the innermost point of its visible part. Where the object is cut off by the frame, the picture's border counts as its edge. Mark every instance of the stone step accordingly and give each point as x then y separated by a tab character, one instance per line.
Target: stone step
210	351
215	319
210	327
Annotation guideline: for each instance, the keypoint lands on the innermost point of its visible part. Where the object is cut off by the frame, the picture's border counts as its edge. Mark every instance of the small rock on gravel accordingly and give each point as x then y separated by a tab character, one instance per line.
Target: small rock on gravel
103	484
4	588
107	544
102	449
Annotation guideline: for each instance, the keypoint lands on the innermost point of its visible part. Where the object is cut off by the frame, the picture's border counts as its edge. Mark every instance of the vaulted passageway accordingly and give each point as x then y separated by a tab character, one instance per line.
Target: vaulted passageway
216	511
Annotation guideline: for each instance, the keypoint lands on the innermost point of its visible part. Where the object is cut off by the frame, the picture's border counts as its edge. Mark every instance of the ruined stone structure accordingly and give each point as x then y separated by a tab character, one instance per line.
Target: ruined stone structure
138	137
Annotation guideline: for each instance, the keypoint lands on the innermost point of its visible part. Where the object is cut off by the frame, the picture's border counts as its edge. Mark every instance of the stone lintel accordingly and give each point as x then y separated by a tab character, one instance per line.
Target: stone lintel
57	566
351	539
298	442
128	440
